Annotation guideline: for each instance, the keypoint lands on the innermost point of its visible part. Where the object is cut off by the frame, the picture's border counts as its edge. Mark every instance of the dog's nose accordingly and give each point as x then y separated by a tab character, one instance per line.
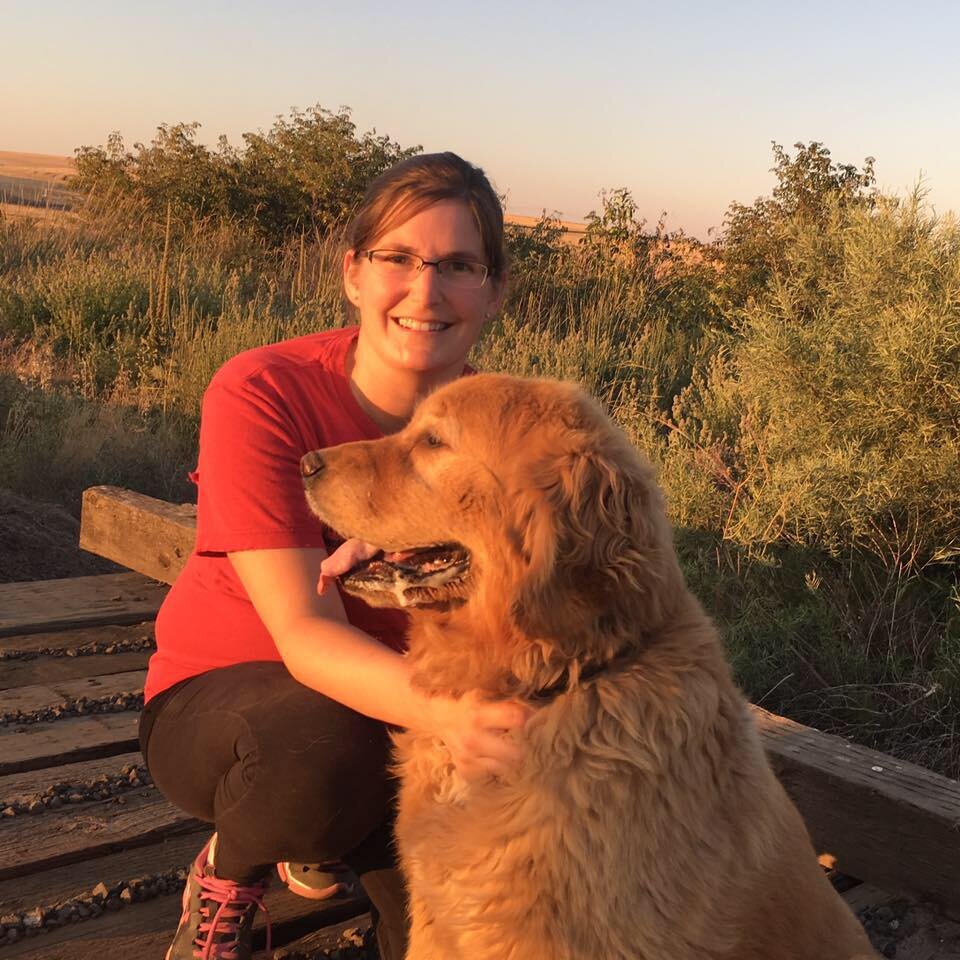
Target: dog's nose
311	464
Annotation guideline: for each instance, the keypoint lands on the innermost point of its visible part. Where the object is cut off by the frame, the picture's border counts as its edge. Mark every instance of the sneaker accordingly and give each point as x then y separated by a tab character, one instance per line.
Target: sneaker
217	919
315	881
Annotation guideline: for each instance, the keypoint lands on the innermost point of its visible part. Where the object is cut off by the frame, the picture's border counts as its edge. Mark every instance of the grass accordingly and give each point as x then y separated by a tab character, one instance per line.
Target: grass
806	439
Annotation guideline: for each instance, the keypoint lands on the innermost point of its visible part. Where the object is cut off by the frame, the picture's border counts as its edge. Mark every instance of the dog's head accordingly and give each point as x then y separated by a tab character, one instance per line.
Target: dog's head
540	506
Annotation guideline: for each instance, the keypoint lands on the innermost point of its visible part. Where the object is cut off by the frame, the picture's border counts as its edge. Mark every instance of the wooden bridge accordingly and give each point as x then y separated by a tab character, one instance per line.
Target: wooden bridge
92	857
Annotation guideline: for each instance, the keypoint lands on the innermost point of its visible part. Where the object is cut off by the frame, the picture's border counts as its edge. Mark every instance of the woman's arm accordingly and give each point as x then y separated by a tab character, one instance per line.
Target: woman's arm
323	651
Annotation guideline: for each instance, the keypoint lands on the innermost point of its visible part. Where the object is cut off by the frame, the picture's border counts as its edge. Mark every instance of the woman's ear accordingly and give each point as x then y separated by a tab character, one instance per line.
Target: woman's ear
350	286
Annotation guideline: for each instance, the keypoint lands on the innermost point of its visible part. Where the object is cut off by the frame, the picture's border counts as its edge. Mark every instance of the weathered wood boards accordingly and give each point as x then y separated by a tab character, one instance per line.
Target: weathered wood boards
887	821
42	745
897	826
34	745
60	853
45	605
142	533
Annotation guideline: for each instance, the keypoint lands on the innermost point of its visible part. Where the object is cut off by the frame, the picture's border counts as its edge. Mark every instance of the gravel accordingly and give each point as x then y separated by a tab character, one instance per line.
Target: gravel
75	707
65	792
15	926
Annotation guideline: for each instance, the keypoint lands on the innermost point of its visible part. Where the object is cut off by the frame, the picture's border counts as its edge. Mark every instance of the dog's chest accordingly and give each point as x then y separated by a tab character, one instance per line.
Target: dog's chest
427	774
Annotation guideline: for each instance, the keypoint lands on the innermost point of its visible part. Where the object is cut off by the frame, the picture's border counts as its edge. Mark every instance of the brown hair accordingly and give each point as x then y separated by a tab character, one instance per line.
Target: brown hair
418	182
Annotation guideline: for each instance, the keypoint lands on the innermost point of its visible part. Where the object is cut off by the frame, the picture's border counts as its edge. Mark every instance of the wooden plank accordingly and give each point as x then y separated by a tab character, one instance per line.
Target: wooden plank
886	821
45	605
14	785
38	696
38	745
326	938
14	673
76	639
148	535
69	835
144	930
61	883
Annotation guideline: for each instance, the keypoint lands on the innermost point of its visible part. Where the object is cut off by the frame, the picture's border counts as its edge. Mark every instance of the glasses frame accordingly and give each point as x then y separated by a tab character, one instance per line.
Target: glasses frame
368	256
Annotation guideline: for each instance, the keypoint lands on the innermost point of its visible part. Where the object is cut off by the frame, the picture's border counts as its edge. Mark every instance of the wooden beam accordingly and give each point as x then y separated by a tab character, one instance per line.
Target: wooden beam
36	697
150	536
887	821
39	745
892	823
38	606
75	834
36	781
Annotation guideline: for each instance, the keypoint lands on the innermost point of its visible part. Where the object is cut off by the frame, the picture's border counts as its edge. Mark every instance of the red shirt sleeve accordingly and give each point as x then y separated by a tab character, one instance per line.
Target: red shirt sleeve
250	493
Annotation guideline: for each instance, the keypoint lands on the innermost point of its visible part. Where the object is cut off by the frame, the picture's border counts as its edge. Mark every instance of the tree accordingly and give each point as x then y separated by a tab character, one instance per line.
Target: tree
809	186
308	172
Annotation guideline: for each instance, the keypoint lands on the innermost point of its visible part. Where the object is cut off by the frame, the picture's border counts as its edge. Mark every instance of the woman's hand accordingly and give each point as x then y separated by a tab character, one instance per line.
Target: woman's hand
484	737
344	558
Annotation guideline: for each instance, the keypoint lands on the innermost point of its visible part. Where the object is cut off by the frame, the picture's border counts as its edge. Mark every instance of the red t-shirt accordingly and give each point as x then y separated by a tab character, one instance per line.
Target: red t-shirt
263	410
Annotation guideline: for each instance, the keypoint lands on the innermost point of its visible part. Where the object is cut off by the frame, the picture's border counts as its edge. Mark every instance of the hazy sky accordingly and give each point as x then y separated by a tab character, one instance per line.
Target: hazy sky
556	100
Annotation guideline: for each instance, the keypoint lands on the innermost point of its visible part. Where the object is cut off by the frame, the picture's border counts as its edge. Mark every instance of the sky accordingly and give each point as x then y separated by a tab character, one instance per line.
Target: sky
556	100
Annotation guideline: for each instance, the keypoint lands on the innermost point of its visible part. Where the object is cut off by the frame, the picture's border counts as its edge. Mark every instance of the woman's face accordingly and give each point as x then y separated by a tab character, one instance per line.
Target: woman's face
423	323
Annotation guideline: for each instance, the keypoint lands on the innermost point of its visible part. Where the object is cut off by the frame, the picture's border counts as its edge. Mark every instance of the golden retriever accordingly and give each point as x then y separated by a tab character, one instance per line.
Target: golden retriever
646	822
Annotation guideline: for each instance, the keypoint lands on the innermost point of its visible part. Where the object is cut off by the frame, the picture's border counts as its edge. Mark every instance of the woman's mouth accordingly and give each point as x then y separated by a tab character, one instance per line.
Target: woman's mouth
420	326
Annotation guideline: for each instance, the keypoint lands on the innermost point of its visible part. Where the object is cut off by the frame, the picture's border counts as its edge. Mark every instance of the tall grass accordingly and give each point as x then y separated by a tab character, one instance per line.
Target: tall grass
806	435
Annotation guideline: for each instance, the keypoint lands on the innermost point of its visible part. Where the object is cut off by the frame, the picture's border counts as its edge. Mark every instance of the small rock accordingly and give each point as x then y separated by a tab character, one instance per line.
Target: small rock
126	895
36	806
12	935
9	812
33	919
100	892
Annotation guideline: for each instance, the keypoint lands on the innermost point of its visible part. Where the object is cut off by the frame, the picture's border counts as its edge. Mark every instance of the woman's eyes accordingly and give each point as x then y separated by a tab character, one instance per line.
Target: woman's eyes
397	259
459	266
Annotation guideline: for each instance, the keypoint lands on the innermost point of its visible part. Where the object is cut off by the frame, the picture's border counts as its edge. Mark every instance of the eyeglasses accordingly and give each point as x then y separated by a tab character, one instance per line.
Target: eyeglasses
398	265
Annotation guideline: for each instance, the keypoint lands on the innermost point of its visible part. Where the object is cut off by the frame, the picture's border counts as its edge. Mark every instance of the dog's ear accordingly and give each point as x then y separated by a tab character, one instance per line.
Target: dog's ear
595	544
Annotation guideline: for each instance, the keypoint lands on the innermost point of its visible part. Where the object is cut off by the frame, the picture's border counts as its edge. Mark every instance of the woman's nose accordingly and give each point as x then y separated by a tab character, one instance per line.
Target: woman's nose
427	282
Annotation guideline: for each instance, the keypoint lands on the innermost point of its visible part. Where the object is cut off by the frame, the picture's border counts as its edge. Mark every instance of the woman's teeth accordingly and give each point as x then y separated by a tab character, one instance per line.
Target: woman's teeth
420	325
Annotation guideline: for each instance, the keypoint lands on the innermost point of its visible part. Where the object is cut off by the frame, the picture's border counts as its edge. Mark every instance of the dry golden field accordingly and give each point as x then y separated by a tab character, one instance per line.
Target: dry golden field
19	170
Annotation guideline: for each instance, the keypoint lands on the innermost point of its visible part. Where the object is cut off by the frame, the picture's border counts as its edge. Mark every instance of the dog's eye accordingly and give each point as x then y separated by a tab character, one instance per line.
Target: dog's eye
432	440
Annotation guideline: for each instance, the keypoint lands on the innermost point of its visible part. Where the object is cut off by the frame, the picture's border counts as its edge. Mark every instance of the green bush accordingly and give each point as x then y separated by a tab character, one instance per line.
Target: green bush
306	174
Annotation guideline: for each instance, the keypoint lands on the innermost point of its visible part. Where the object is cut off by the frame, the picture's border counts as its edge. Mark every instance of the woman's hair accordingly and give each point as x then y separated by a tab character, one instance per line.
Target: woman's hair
418	182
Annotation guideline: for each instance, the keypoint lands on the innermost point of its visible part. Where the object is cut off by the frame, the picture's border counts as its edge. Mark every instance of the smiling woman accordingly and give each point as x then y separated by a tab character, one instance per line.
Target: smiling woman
268	703
418	317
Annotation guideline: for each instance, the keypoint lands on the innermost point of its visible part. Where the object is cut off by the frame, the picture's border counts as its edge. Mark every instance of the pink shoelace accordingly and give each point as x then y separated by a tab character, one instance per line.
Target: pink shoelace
234	902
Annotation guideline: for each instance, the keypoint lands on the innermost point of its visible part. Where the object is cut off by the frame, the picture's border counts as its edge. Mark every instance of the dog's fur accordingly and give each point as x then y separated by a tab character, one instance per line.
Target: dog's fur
646	822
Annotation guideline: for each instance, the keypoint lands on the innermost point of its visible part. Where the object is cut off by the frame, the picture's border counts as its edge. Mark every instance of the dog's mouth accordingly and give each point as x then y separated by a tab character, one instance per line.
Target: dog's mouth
429	576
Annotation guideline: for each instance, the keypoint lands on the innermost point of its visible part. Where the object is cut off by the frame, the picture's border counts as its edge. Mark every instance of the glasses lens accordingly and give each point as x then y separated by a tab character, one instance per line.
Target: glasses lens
462	273
394	262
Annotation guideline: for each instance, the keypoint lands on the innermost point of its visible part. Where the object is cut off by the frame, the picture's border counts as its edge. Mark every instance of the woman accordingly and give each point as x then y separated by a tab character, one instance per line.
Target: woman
268	700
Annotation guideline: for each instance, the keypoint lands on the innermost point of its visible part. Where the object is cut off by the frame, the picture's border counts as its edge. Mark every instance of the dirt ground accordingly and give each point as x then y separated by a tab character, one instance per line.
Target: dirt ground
38	541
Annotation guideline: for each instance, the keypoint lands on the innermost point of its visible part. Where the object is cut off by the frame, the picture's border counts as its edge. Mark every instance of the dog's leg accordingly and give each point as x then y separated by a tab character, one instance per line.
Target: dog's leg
424	942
